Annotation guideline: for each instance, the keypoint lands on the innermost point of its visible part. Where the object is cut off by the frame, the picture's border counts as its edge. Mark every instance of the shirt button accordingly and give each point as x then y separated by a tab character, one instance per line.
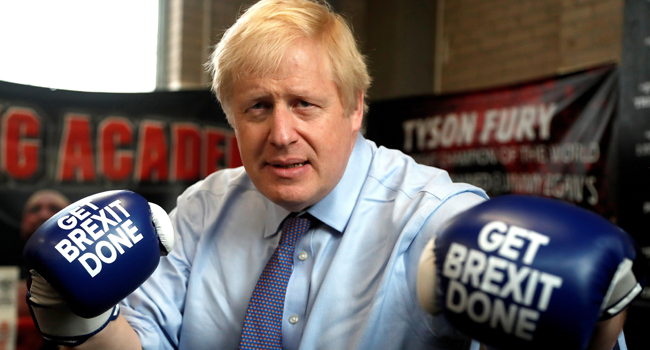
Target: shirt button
302	256
293	319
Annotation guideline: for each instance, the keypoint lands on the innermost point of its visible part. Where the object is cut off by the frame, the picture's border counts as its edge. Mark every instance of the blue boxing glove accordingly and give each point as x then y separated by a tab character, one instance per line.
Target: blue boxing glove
523	272
88	257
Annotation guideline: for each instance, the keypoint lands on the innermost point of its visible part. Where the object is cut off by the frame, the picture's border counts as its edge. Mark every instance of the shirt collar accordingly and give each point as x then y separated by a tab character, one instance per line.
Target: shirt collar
336	208
275	216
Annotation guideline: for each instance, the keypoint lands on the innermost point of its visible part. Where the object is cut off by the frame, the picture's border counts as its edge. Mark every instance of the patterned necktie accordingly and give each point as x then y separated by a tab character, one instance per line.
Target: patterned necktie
263	322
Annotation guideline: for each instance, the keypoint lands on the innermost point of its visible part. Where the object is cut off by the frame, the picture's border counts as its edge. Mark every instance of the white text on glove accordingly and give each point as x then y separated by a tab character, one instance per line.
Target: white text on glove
500	278
108	217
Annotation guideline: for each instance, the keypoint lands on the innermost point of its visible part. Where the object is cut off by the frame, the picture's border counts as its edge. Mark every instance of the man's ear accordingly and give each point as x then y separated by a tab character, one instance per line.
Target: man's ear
230	118
357	114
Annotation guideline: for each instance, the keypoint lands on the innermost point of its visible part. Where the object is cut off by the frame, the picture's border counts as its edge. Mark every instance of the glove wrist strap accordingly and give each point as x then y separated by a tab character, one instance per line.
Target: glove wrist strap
58	324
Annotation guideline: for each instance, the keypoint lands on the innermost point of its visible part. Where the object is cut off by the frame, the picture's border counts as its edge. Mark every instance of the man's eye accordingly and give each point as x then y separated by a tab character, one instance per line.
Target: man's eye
304	104
258	105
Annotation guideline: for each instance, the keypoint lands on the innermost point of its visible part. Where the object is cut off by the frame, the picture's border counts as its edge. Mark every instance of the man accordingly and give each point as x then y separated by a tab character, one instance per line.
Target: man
292	83
39	207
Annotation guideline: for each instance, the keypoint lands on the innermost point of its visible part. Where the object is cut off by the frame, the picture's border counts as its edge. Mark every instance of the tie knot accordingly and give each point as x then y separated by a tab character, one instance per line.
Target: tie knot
292	229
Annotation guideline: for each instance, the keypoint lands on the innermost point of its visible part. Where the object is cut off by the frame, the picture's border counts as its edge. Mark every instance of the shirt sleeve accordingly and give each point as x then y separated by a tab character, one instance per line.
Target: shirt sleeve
620	344
155	310
432	226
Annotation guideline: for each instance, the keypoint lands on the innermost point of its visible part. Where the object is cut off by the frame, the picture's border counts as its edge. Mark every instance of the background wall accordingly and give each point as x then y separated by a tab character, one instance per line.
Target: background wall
491	43
419	47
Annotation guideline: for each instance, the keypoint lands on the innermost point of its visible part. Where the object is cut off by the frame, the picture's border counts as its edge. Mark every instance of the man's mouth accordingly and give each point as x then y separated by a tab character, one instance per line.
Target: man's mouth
289	166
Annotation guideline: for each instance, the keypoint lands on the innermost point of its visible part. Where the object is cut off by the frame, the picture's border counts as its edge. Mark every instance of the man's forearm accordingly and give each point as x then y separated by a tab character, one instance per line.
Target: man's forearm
606	333
117	335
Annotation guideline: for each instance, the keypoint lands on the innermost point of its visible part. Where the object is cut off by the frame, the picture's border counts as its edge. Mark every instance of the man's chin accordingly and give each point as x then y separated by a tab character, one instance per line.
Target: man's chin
293	205
293	202
292	195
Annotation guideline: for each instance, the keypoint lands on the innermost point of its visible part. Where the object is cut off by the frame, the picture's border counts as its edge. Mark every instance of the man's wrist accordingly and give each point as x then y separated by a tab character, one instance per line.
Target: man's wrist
59	325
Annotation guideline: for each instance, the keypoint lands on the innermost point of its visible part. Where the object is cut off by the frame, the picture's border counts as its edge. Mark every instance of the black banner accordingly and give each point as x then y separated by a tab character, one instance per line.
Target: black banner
633	133
633	139
81	143
549	138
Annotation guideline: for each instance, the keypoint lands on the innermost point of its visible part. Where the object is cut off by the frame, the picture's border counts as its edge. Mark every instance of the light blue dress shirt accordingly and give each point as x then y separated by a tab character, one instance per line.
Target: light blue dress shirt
353	284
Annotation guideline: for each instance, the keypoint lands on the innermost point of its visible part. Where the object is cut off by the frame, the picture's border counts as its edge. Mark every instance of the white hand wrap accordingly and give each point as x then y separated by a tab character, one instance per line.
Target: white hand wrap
55	320
426	279
164	228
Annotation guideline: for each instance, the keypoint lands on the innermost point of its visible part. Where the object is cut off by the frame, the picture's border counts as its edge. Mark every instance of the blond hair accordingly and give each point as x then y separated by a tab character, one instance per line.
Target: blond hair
257	42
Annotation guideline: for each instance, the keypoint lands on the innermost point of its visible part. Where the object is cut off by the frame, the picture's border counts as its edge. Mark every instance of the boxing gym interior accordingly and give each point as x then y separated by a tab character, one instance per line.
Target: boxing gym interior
542	98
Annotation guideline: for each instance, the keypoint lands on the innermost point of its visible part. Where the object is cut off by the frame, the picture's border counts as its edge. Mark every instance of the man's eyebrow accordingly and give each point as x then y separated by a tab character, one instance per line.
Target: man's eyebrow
257	93
254	94
302	92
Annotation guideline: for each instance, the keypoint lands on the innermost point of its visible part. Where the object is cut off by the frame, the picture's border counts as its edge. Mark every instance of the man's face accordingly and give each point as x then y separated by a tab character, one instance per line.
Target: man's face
294	137
37	210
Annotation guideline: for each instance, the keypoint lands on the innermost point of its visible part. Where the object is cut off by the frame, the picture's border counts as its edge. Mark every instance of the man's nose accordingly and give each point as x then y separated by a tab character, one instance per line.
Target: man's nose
46	213
283	128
